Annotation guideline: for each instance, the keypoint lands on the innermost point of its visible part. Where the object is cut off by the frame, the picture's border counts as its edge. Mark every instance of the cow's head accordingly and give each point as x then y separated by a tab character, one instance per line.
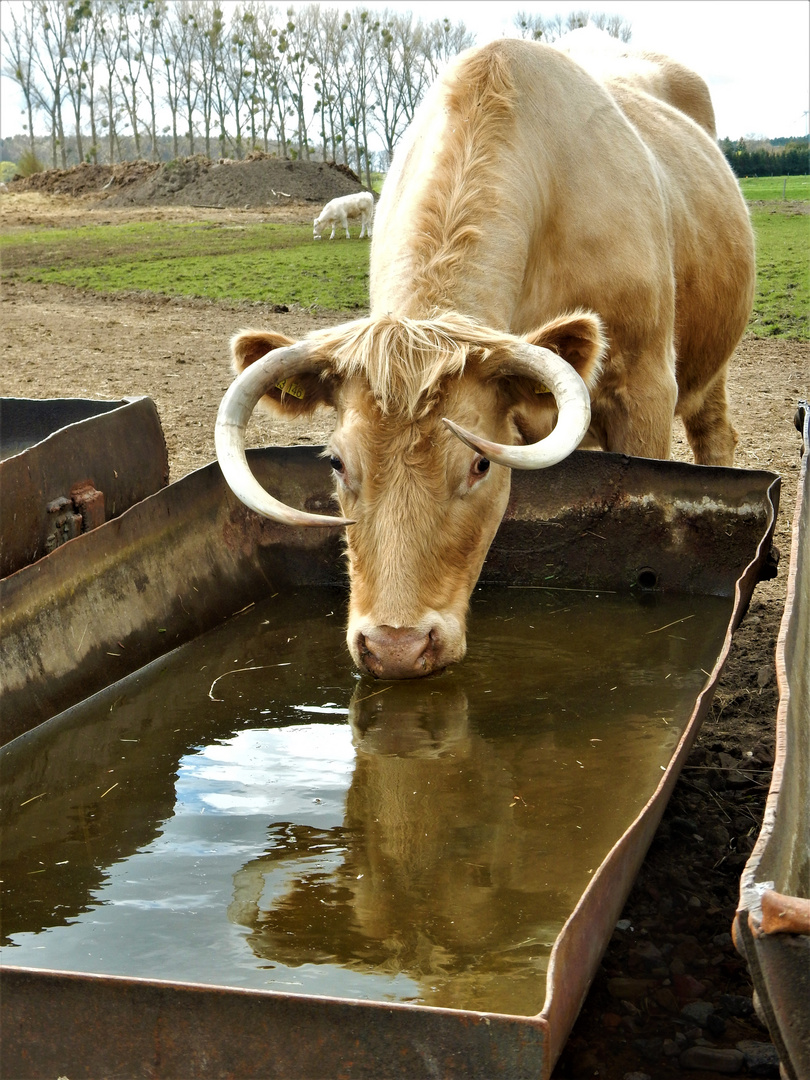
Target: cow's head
422	496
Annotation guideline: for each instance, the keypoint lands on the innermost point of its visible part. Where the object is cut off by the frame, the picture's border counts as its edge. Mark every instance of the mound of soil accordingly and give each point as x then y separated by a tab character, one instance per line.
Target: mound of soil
86	179
259	181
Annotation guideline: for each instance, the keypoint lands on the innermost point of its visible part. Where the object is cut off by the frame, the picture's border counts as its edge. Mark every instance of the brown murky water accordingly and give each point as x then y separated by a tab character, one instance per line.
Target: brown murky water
248	811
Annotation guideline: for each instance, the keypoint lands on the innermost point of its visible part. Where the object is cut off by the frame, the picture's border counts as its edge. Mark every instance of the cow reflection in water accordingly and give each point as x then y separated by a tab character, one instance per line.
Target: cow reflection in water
442	874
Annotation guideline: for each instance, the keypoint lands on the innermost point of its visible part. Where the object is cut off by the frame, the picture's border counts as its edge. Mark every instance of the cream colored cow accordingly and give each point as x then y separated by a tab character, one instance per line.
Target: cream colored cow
540	232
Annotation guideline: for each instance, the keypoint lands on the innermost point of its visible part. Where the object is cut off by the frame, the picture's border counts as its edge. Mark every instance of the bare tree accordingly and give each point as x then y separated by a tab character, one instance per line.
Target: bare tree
90	66
255	93
361	33
211	42
237	74
614	25
18	64
81	53
153	14
270	76
133	27
110	26
328	59
184	41
339	75
413	72
49	57
394	46
537	27
298	40
442	41
168	46
235	77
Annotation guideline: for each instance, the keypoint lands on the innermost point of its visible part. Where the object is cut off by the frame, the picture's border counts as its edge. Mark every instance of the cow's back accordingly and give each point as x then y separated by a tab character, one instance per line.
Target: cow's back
527	188
613	64
517	190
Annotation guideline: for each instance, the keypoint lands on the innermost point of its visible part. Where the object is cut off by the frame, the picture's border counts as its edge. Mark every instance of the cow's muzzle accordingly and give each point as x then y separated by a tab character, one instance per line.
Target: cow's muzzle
387	652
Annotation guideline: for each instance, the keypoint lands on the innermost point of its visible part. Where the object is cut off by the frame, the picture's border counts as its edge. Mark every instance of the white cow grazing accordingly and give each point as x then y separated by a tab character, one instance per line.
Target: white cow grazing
340	211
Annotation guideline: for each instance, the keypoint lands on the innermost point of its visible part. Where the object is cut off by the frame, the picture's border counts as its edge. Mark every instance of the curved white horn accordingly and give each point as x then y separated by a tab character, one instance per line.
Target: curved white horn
573	407
235	410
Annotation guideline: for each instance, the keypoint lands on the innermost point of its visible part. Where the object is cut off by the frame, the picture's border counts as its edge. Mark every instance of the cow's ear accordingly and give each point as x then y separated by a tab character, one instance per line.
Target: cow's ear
577	338
294	397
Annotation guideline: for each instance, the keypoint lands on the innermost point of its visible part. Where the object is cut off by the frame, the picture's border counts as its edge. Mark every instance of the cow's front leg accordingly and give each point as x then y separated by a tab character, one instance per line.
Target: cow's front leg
637	419
708	428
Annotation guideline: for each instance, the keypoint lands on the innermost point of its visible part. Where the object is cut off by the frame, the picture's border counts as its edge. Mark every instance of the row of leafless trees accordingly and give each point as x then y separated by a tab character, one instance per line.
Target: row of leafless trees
304	81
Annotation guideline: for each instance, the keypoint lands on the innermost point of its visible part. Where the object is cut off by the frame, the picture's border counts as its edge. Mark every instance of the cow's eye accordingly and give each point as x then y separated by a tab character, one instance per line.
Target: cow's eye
336	464
479	467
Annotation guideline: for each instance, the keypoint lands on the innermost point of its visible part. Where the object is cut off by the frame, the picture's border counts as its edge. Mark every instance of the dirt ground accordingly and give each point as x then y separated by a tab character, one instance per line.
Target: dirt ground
675	949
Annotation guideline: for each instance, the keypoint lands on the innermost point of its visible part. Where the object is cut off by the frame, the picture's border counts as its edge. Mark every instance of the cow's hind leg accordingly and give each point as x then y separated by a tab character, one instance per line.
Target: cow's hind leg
708	428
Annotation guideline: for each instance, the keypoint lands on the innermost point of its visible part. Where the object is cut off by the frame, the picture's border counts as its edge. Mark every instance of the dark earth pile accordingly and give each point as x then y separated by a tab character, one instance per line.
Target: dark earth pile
258	181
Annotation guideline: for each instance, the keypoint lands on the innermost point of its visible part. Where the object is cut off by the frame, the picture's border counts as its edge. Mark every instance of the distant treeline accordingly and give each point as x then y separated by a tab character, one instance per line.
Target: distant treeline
116	80
778	157
15	147
784	156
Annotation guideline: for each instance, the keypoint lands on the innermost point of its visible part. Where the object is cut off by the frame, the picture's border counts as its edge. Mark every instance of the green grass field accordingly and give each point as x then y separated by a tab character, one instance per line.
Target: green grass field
782	300
282	264
776	187
277	264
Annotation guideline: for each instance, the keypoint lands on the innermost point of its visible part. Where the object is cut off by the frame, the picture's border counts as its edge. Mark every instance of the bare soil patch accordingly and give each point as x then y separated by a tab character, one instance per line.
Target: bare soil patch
675	948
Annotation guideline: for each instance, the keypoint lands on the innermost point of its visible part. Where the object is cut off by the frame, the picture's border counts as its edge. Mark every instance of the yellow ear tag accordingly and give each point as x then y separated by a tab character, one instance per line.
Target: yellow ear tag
541	389
289	387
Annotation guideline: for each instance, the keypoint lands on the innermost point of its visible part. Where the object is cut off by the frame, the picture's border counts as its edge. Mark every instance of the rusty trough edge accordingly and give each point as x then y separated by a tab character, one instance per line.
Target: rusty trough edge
772	884
101	459
153	1028
585	936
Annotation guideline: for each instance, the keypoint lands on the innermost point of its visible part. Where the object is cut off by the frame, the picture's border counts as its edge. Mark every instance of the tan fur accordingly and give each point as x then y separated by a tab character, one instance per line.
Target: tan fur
525	189
450	216
635	216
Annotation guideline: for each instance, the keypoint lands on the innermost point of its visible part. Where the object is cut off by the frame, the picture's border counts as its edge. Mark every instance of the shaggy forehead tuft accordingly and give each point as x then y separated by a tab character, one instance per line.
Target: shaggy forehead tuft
405	361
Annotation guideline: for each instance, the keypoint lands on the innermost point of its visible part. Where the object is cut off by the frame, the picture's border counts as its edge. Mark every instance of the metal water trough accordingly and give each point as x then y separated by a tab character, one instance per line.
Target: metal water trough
186	559
772	924
69	464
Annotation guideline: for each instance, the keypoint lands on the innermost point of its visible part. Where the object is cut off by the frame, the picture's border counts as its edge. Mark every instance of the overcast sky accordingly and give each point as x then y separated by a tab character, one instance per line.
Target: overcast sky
753	53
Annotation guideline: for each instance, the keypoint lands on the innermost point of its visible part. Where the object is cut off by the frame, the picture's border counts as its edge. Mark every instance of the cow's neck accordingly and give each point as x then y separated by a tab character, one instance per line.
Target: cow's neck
460	210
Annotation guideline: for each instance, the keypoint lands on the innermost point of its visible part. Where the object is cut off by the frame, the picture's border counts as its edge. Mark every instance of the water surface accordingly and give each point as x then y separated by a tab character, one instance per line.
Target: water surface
249	812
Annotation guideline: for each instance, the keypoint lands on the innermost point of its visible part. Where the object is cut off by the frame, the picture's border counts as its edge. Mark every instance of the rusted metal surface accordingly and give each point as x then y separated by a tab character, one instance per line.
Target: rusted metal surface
173	566
55	1024
189	557
772	924
67	465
